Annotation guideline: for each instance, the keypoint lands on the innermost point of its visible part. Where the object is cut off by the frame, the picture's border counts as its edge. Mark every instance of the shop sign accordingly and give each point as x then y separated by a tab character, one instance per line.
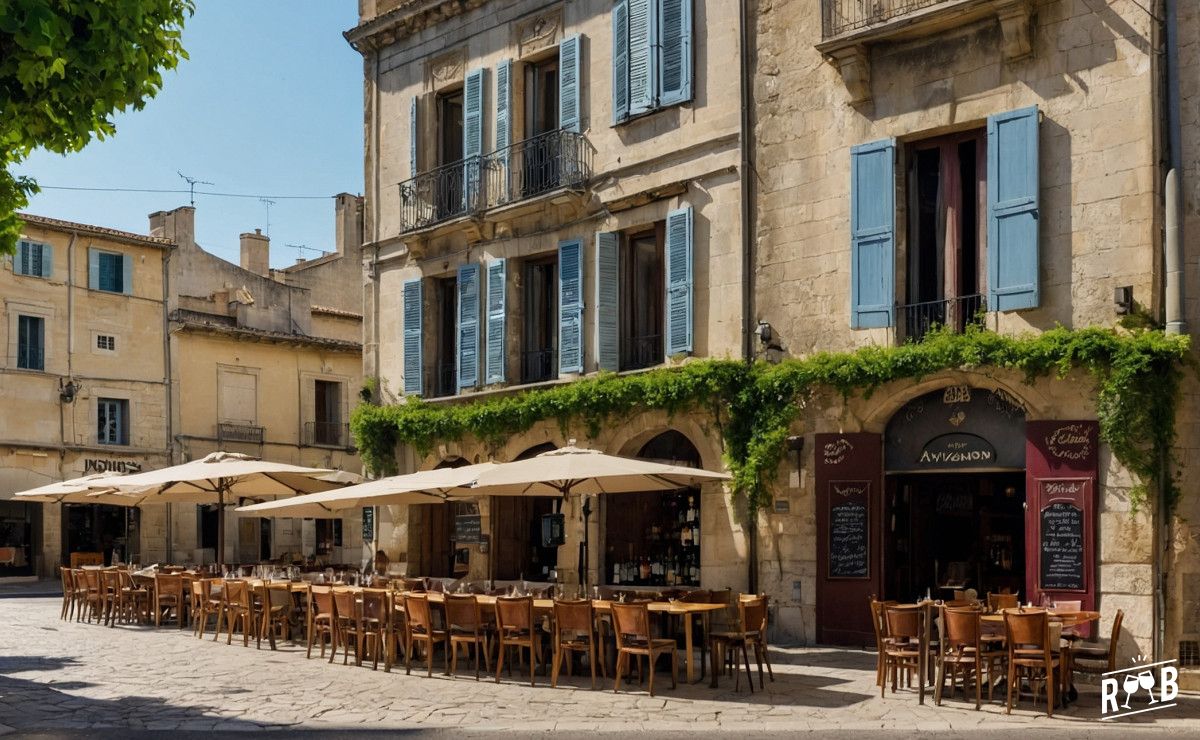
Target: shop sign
958	451
368	524
849	529
468	529
955	428
1070	442
100	465
834	453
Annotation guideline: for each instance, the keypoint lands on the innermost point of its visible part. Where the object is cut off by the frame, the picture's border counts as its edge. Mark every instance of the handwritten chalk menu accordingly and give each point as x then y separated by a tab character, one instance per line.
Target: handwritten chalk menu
468	529
1062	561
848	529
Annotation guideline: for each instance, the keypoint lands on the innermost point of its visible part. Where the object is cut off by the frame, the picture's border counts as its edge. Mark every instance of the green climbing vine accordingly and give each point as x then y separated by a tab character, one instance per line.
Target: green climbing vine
1137	375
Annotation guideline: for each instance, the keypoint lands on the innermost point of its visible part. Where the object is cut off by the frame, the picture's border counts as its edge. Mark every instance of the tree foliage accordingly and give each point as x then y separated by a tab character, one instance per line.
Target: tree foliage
66	67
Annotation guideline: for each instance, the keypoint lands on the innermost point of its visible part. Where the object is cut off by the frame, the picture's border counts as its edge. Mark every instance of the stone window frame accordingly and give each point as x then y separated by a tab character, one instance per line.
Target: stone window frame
15	309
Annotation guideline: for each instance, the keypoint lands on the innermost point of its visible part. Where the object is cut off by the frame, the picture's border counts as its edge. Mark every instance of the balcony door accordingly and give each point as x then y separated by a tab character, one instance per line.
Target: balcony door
541	152
444	372
642	293
328	405
540	286
449	183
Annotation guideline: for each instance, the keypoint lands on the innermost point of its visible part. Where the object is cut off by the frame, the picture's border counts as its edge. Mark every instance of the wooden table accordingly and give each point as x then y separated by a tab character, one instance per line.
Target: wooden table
684	609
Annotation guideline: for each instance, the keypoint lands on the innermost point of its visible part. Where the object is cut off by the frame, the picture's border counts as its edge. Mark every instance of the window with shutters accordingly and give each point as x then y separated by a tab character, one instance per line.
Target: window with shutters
112	421
32	259
450	189
31	342
539	303
652	56
642	298
110	272
442	374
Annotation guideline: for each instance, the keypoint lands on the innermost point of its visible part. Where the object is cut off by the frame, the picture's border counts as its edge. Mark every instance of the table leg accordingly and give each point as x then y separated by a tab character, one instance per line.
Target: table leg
687	642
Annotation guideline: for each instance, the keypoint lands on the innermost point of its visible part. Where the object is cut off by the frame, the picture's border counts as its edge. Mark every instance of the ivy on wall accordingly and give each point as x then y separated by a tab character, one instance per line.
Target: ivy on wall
1137	376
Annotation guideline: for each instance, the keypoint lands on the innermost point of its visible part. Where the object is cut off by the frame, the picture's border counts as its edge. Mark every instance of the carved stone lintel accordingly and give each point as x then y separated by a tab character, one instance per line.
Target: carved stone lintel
1015	21
447	69
539	33
854	64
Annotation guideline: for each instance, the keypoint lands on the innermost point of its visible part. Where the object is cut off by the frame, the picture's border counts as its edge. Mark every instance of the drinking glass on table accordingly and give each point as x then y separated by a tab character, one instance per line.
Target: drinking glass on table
595	593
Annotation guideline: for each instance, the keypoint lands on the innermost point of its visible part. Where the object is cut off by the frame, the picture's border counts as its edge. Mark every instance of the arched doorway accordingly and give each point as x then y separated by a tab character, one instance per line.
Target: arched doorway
518	551
653	538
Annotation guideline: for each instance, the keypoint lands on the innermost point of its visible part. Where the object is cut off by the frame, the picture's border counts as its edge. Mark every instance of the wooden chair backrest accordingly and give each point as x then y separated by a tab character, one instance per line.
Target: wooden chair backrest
753	614
279	594
996	602
1027	632
126	579
1114	639
462	611
959	603
343	603
200	590
413	584
514	613
960	594
960	627
236	593
699	596
573	616
68	582
168	584
322	600
417	609
91	578
903	621
631	622
80	559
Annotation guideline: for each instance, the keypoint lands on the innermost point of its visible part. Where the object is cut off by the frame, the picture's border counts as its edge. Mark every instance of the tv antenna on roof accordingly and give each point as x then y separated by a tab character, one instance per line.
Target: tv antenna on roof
302	248
268	203
192	183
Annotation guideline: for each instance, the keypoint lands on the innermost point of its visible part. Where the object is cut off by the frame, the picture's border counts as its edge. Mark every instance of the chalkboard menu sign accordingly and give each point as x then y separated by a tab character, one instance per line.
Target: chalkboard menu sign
468	529
848	528
1062	561
368	524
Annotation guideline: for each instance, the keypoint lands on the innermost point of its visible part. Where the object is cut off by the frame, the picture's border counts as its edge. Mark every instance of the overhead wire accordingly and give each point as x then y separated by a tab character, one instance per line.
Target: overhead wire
184	190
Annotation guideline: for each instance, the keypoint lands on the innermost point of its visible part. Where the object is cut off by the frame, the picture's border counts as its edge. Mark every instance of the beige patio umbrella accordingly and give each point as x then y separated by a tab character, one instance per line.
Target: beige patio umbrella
74	491
214	479
425	487
574	470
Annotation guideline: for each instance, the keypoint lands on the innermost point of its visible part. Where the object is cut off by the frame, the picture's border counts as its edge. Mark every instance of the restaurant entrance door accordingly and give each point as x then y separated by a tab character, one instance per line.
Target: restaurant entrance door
101	528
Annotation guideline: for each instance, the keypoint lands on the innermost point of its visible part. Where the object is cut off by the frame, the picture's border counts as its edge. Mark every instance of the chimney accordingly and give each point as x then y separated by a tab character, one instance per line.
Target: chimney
178	225
348	223
256	253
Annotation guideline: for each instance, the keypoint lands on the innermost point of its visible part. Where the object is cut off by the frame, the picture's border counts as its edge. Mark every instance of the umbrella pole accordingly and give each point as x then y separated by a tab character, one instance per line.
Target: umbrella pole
220	529
583	546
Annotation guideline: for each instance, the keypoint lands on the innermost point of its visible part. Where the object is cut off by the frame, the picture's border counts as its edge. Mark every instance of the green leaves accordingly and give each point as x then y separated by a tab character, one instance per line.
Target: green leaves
1137	377
66	66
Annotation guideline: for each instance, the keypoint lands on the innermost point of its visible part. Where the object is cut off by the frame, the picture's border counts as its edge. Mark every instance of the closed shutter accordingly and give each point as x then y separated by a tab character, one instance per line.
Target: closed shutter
468	326
1012	210
47	260
495	321
872	234
608	307
93	268
620	55
568	84
570	306
675	43
127	274
679	281
643	70
413	304
472	135
503	123
414	136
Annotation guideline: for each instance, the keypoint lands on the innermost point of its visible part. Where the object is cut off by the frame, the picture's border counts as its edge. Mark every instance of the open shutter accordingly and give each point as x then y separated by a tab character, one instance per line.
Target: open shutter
495	321
568	84
608	311
620	64
503	124
93	268
872	234
413	303
468	326
47	260
679	281
472	135
643	68
127	274
570	306
675	40
414	136
1012	210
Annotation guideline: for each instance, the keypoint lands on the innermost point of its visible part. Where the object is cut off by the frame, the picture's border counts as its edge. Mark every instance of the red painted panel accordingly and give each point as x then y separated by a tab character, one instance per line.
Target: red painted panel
1060	513
849	480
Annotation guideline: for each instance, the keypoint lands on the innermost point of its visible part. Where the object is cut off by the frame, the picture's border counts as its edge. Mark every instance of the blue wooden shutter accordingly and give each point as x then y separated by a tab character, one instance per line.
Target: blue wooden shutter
872	234
675	43
495	321
570	306
93	268
608	307
414	136
468	326
679	281
569	84
1012	210
413	344
472	135
127	274
620	64
503	124
643	67
47	260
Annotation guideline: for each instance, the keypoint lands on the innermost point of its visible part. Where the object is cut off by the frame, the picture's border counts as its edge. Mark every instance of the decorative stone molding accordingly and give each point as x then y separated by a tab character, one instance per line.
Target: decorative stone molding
1015	22
854	64
447	70
539	33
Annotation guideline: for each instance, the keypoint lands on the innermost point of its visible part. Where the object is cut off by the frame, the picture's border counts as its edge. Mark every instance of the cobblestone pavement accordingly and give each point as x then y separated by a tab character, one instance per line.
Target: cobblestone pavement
64	678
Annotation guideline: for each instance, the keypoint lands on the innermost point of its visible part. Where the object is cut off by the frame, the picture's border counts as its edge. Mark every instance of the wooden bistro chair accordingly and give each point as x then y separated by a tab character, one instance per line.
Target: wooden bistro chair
346	625
999	602
396	635
93	598
78	593
237	609
631	626
135	597
962	649
1031	653
1099	656
275	613
573	632
168	597
515	626
68	596
466	627
906	644
420	628
321	619
202	606
879	624
750	633
373	624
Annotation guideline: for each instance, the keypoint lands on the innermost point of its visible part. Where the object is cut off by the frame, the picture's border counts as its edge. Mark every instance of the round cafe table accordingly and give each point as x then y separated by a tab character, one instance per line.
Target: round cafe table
1066	619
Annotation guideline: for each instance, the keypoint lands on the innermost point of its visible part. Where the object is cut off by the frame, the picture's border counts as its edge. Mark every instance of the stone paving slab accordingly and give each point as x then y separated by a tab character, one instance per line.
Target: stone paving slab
66	678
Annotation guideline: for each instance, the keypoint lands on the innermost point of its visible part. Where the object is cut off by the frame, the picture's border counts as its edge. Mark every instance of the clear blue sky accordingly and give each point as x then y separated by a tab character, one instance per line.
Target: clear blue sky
269	103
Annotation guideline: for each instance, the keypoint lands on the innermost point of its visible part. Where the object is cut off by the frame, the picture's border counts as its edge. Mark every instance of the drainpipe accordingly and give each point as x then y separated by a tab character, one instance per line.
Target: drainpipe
62	407
747	216
166	329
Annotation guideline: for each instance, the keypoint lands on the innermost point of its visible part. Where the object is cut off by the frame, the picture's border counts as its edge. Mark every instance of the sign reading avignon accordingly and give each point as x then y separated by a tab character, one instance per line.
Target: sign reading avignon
958	427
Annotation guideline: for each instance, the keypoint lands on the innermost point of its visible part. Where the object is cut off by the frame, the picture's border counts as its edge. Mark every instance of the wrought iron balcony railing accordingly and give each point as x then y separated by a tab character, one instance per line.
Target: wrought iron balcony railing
917	319
843	16
326	434
526	169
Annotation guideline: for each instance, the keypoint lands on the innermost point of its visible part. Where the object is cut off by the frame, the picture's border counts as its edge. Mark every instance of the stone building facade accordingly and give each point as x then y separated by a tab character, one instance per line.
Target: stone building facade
84	387
543	204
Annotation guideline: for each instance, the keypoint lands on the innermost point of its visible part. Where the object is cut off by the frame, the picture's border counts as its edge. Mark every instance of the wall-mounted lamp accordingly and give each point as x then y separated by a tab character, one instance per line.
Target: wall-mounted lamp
67	392
1123	300
764	332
